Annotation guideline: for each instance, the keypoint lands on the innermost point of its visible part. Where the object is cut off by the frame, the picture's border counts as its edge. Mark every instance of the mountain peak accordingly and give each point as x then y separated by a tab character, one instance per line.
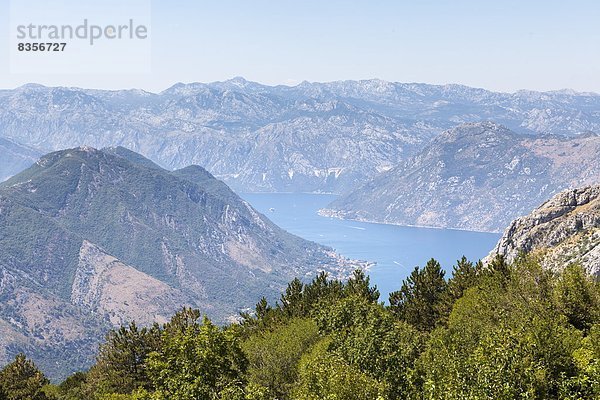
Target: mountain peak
32	86
109	235
238	80
184	89
131	156
86	149
483	125
482	130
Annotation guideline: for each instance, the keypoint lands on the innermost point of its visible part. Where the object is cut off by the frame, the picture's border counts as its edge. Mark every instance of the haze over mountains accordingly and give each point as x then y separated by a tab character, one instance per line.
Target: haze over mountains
92	239
14	158
325	137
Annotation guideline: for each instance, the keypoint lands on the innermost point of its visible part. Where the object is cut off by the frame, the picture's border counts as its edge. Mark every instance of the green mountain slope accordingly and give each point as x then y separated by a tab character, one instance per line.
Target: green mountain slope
113	237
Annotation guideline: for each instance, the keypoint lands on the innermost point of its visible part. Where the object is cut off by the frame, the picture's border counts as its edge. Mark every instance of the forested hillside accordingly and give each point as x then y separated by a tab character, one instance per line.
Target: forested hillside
497	331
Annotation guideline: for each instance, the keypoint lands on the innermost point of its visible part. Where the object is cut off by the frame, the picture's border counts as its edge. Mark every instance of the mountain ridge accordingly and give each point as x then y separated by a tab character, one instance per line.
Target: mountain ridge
108	237
478	176
313	137
240	81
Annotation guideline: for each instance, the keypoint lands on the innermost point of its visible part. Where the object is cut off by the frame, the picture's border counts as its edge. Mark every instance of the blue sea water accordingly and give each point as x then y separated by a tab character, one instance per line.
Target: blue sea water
395	249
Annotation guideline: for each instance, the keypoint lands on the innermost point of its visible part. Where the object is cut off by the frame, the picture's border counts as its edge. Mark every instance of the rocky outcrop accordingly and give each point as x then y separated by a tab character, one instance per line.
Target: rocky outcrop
104	285
59	336
565	229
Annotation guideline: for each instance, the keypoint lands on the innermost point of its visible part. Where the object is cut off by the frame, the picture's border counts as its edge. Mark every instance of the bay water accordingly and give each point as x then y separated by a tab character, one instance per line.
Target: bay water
395	249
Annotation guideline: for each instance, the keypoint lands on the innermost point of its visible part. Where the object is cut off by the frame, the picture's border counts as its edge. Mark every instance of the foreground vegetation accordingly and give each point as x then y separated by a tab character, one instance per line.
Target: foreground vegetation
501	332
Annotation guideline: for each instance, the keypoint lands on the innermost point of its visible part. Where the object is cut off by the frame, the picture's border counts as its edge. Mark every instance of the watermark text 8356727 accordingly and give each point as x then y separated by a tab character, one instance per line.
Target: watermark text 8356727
41	47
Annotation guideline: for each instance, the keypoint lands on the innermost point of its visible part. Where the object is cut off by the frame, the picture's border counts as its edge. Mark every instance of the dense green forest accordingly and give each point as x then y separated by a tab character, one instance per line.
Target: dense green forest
495	332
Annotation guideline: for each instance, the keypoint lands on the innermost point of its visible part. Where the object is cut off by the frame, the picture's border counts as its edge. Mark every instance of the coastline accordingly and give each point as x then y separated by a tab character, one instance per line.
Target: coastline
330	213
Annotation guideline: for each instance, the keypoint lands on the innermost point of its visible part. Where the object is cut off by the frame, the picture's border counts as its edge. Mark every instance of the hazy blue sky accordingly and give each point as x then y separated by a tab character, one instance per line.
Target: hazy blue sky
501	45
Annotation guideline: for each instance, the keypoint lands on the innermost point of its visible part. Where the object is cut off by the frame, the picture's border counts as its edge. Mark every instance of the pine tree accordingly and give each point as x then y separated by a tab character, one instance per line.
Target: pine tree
121	362
185	318
359	285
499	269
21	380
262	308
419	301
464	275
292	299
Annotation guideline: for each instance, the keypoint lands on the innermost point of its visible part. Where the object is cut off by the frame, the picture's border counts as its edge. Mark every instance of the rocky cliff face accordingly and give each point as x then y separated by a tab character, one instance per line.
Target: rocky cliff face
563	230
91	239
478	176
59	336
312	137
104	285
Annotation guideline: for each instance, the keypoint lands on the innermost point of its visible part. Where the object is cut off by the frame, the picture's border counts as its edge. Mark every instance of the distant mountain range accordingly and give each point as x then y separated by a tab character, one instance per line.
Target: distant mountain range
478	176
92	239
313	137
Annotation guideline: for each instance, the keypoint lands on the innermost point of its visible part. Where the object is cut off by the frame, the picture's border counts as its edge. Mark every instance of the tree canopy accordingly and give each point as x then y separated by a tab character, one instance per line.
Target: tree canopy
501	331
